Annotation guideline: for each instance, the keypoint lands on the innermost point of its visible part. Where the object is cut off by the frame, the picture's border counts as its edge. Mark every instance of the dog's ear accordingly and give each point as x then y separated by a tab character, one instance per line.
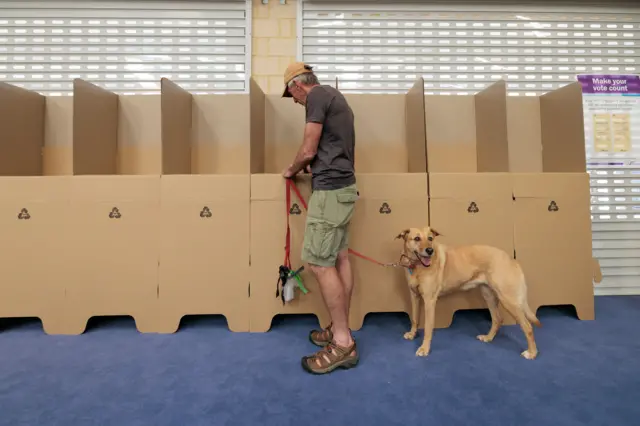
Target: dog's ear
403	235
433	231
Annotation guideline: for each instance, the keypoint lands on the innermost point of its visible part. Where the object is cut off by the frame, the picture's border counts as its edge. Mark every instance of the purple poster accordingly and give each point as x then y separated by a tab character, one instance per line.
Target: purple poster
610	84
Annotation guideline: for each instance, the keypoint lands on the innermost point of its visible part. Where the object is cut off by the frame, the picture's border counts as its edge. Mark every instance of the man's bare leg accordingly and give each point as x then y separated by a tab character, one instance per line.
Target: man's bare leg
335	298
343	264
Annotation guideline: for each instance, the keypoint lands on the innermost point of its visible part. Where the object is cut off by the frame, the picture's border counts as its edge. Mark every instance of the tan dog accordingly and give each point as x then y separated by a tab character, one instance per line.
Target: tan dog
434	270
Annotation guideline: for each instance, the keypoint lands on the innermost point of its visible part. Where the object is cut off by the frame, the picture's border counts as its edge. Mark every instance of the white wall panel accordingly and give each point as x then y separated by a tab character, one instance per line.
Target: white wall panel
459	48
124	46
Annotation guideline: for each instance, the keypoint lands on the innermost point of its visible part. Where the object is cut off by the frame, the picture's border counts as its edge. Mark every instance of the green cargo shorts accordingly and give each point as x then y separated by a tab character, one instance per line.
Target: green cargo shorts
327	228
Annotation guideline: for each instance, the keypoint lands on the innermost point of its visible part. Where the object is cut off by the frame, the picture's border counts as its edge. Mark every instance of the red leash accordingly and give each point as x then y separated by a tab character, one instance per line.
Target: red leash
287	248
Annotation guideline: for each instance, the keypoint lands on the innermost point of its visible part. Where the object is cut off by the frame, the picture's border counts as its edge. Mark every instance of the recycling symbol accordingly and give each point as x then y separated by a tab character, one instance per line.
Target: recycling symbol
295	209
206	212
473	208
115	213
24	214
385	209
553	207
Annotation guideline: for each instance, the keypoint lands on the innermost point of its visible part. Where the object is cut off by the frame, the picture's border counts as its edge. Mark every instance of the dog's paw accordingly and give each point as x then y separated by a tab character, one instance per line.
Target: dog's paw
484	338
410	335
422	351
529	355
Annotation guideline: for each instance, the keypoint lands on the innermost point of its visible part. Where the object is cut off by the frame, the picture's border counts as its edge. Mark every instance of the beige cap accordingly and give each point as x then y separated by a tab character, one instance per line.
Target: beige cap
294	70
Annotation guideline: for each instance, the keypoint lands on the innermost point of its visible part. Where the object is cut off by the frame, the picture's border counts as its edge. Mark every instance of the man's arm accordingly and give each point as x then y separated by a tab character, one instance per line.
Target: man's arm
309	148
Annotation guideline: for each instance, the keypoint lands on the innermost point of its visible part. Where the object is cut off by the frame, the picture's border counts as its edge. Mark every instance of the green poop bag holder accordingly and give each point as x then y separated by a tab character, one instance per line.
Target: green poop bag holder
288	278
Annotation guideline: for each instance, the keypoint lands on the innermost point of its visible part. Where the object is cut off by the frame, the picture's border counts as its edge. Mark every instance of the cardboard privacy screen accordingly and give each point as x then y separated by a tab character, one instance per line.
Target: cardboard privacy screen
160	207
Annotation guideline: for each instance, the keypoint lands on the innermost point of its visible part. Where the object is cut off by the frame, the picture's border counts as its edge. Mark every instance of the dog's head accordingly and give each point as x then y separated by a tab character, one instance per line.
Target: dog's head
419	244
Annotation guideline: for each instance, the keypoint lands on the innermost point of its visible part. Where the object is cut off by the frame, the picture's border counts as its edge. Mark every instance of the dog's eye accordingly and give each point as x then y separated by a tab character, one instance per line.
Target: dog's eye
430	238
416	239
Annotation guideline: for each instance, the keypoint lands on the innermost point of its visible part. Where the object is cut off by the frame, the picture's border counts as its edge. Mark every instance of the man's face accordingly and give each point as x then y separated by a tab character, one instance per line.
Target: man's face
298	93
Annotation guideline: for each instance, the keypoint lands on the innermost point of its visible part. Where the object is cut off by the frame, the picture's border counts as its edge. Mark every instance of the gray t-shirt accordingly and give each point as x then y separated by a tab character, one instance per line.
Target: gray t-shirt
333	165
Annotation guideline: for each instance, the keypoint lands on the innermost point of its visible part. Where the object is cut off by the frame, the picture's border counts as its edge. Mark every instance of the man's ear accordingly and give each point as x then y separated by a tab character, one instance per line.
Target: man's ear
403	235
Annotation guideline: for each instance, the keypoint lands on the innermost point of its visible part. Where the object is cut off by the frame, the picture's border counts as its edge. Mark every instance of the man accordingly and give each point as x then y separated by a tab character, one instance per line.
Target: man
328	152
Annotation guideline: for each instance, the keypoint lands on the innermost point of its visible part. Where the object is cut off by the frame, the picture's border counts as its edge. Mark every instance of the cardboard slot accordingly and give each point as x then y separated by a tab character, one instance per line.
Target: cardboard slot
552	197
391	170
204	213
33	219
116	158
22	115
470	196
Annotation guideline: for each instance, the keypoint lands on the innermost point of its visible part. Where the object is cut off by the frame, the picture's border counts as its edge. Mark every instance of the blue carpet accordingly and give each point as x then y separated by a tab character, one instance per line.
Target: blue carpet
587	373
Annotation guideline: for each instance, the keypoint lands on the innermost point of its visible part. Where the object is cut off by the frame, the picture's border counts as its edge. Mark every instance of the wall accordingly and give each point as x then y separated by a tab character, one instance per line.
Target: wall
274	42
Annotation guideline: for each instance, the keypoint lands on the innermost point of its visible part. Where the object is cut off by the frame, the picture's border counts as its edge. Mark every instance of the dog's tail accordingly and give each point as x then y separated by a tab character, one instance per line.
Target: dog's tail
531	316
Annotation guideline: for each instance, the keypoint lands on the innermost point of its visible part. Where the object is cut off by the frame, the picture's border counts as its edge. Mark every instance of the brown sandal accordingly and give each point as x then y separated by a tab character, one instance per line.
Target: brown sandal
330	358
321	337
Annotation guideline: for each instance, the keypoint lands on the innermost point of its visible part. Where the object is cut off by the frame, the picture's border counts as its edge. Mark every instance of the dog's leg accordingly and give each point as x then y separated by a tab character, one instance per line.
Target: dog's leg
517	312
429	319
496	319
415	315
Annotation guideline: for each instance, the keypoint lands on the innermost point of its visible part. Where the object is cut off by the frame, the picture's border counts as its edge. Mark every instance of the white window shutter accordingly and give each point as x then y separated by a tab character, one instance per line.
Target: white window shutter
125	46
383	47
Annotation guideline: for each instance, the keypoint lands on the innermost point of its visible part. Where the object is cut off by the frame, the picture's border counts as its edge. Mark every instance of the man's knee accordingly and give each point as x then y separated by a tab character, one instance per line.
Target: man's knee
343	256
320	270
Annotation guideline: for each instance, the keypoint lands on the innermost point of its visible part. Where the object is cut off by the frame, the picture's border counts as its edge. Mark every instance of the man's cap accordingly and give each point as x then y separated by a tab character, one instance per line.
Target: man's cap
293	70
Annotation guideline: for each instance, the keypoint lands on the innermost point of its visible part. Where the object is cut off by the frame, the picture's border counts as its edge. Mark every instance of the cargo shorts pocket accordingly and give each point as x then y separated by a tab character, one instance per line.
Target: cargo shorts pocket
321	240
342	209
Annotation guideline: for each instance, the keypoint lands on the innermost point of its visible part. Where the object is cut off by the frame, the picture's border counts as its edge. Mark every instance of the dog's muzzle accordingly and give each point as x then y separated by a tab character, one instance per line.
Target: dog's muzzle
425	260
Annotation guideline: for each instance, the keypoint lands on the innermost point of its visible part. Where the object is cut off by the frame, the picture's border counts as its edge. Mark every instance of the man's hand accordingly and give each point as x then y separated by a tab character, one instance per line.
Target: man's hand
287	173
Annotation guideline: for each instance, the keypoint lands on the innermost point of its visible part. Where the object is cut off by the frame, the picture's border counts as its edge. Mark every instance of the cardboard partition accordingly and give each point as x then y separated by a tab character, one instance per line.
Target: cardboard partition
95	130
552	199
470	195
22	115
204	214
176	115
392	183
